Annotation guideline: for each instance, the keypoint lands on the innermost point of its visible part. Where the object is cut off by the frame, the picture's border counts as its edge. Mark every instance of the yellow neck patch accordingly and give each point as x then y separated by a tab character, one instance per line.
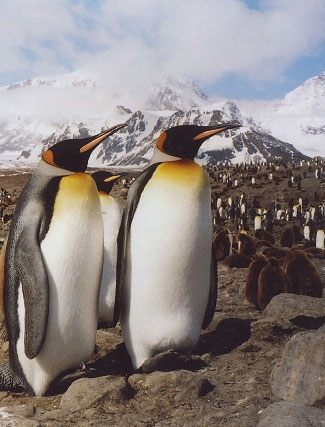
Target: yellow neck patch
181	171
75	188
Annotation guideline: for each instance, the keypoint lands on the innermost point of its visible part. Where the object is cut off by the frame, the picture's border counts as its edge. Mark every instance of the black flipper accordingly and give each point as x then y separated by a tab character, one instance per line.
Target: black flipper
213	292
134	195
35	286
8	380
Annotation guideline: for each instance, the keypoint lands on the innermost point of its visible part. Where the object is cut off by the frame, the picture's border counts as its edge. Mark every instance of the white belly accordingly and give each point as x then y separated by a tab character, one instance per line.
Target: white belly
112	215
168	271
73	254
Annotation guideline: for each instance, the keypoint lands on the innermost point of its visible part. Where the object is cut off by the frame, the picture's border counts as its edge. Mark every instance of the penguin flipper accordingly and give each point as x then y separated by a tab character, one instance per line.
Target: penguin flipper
35	286
213	292
134	195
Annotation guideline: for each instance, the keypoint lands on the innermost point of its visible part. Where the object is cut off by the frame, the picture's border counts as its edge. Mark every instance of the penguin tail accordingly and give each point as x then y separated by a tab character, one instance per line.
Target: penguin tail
8	379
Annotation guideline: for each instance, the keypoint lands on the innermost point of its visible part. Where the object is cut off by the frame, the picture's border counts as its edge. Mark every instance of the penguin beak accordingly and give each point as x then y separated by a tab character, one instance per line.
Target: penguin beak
100	137
112	178
213	130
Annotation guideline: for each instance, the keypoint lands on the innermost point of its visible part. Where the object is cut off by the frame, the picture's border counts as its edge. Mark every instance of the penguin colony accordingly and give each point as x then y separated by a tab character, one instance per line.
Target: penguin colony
72	259
276	265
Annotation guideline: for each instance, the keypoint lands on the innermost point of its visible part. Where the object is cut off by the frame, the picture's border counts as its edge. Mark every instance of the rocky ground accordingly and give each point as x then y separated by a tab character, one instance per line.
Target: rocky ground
250	367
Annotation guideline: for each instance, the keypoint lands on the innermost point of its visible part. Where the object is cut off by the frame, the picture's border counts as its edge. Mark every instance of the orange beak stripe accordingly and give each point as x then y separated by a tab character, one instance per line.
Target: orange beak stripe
112	178
208	133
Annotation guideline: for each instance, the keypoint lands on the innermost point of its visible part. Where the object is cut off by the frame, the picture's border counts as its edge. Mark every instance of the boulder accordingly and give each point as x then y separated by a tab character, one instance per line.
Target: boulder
300	374
86	392
18	416
304	311
290	414
178	385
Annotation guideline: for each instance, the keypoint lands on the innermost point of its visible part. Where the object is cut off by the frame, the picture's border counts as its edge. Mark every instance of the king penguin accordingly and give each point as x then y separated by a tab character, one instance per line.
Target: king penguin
167	271
112	214
53	267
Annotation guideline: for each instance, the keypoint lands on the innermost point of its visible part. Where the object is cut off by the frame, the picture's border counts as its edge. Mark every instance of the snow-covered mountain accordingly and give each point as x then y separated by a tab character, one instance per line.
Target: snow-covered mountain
36	113
298	118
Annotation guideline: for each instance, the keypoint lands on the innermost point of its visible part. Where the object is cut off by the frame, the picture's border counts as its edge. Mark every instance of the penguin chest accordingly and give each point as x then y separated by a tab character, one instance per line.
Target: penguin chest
73	248
72	252
169	254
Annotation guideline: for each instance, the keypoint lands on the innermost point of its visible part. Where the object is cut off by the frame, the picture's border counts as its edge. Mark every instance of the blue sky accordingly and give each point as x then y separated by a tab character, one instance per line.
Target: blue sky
244	49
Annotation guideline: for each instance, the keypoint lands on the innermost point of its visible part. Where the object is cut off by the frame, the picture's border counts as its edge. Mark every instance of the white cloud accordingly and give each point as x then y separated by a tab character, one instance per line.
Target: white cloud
130	44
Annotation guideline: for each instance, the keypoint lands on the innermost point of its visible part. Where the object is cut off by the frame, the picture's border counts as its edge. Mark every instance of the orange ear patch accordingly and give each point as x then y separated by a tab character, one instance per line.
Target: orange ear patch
48	157
160	141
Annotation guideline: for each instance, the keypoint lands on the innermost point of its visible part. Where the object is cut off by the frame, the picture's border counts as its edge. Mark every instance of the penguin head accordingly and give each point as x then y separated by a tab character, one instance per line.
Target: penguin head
184	141
73	154
105	180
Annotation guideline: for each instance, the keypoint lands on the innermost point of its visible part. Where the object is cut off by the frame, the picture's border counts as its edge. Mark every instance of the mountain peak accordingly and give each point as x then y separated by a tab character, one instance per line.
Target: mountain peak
176	94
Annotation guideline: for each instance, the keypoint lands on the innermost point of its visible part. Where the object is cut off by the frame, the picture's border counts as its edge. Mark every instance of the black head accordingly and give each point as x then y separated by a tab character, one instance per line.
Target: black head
105	180
184	141
73	154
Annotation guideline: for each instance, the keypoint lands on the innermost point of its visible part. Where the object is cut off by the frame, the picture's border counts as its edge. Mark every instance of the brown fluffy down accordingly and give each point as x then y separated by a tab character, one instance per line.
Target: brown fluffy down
303	275
271	282
247	245
238	261
274	252
251	286
221	245
264	235
261	243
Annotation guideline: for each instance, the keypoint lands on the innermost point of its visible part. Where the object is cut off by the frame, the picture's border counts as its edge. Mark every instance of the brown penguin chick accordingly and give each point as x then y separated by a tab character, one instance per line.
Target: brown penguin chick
247	245
296	234
316	252
303	275
238	261
264	235
261	243
271	282
286	238
274	252
221	244
251	286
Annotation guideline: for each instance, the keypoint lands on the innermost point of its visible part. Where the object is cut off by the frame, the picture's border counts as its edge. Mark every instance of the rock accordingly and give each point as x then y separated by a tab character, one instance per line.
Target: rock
170	361
303	311
179	385
300	374
17	416
85	392
272	330
289	414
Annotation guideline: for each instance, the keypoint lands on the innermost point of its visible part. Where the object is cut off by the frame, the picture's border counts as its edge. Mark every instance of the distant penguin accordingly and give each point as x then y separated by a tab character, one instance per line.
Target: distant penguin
112	215
247	244
264	235
271	282
251	285
222	244
303	275
258	222
53	268
320	239
167	267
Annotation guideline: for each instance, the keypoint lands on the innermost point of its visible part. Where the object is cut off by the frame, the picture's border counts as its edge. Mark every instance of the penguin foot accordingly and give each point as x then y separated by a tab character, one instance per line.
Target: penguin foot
8	379
171	360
